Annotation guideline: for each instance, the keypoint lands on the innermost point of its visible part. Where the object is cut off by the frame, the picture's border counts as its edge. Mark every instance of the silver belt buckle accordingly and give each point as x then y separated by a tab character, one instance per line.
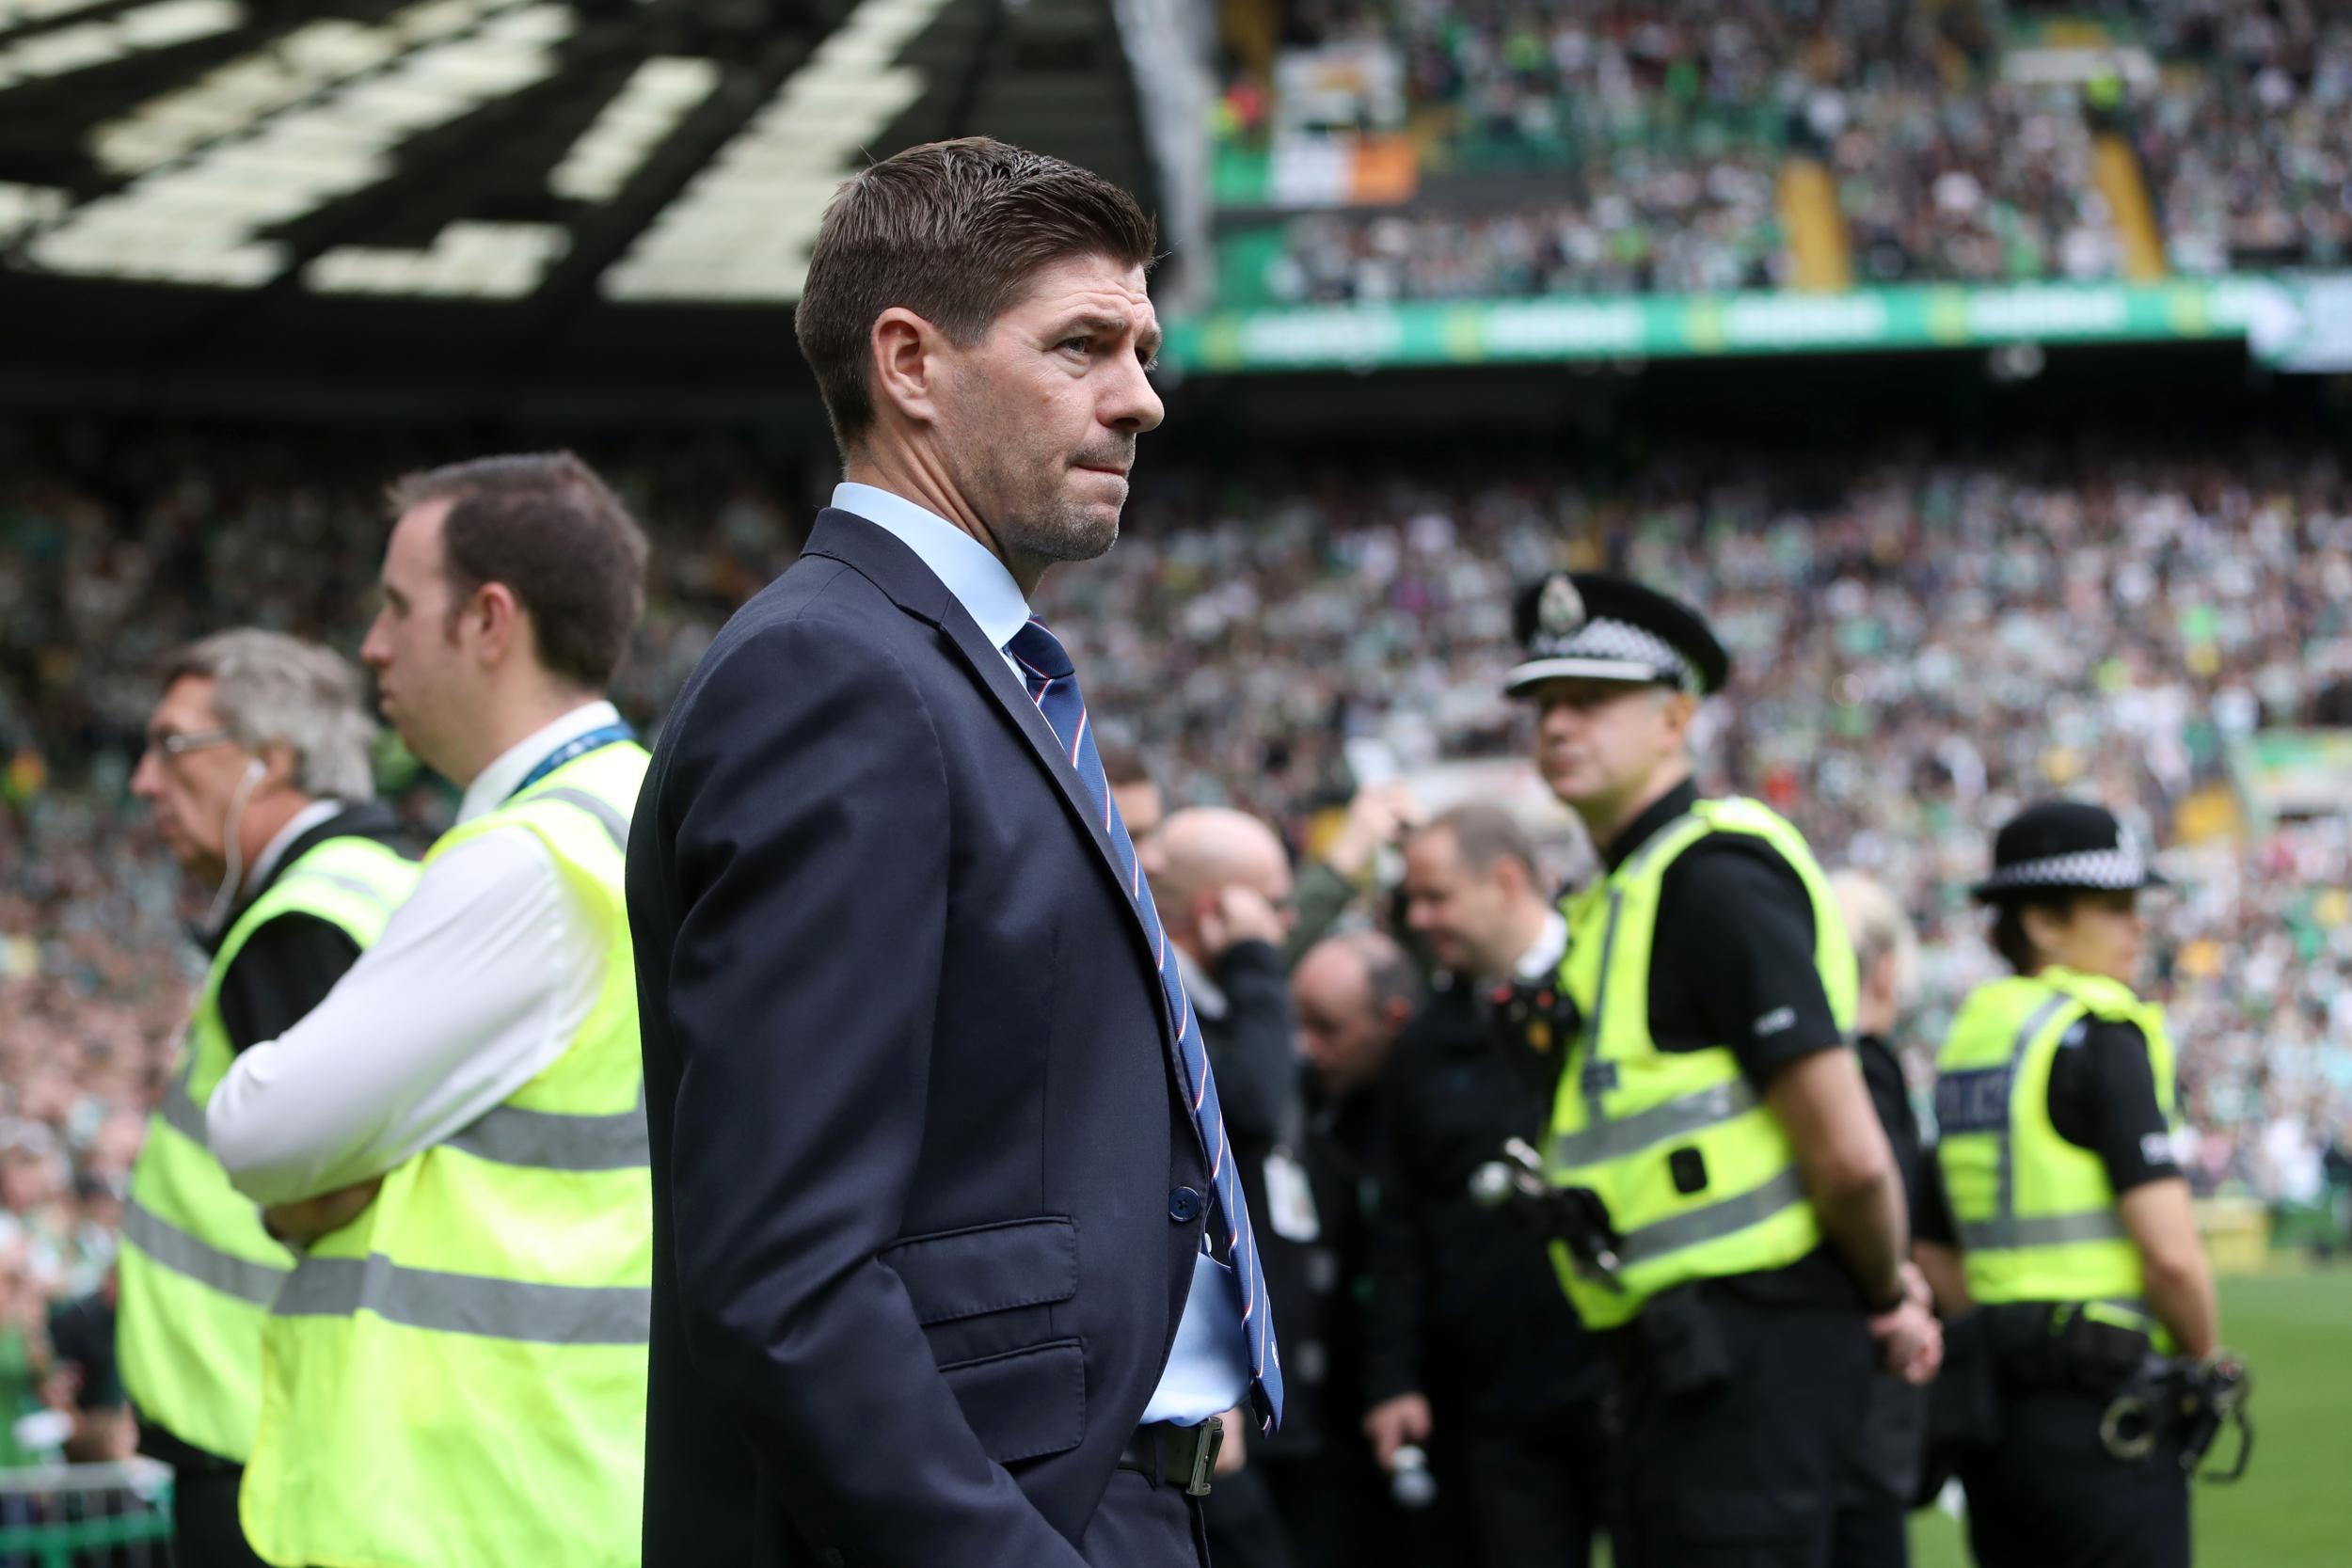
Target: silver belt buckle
1204	1457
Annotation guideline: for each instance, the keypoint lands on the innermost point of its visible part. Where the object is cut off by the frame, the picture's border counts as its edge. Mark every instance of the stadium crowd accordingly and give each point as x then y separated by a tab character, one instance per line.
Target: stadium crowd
1924	644
2247	141
1655	136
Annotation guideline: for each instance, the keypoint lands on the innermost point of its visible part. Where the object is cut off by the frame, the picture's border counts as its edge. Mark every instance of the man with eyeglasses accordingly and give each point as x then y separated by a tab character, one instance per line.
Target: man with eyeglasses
257	770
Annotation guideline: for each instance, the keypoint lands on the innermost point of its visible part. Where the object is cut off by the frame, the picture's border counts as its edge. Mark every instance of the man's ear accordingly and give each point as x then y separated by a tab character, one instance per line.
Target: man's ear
904	357
1681	707
279	761
500	627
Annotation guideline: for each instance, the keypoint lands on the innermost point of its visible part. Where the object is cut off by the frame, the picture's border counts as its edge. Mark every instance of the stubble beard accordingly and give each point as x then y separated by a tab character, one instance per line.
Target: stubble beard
1039	518
1061	529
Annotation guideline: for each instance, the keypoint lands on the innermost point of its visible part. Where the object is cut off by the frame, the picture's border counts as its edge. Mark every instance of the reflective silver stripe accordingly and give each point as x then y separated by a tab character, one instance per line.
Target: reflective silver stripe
607	816
174	1248
2005	1168
468	1304
2009	1231
542	1140
1595	1084
1610	1140
1713	1221
368	891
179	1111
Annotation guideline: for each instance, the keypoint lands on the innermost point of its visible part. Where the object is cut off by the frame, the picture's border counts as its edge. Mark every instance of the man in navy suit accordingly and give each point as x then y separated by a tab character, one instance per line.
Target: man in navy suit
951	1266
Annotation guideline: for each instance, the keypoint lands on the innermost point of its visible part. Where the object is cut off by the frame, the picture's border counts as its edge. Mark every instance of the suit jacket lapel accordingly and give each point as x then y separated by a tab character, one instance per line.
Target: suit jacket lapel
899	572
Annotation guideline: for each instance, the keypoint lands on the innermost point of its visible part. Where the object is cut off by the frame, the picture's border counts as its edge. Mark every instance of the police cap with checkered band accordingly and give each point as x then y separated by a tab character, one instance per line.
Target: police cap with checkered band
1600	627
2065	846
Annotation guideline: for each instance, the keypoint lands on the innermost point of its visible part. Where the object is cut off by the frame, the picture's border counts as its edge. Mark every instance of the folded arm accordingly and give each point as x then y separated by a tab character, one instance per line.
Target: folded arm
460	1002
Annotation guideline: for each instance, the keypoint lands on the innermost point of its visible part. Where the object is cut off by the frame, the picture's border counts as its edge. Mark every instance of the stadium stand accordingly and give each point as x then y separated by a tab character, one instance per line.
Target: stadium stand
1689	151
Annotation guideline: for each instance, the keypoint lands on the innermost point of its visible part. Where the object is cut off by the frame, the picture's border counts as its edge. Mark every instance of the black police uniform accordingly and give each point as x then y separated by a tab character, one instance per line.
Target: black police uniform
1751	1473
1748	1470
1465	1309
1335	1503
1250	1029
1873	1506
284	971
2048	1494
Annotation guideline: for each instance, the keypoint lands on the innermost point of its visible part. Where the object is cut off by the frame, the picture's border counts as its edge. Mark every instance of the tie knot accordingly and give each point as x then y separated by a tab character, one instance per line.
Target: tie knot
1041	651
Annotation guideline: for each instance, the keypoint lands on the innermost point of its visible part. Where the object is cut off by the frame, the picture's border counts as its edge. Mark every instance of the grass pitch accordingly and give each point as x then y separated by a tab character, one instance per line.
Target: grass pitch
2294	1509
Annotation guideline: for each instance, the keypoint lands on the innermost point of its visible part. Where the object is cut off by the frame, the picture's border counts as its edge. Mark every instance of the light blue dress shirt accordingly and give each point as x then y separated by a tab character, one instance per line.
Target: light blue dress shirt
1208	1368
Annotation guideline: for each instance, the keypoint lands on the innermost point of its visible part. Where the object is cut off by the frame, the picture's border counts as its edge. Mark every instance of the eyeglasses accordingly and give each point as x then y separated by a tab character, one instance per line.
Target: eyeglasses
180	742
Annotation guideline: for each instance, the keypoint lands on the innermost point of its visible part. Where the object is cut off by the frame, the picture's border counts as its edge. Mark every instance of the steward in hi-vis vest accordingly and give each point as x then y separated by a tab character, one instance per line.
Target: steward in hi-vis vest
454	1374
1727	1212
2065	1221
257	770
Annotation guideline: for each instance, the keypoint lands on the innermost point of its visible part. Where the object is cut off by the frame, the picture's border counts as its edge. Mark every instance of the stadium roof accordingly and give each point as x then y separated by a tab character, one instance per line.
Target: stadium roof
217	202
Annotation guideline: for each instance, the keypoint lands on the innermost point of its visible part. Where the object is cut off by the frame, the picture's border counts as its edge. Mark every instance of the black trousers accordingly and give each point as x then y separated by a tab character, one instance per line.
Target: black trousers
1746	1472
1143	1523
1336	1509
1873	1507
1244	1528
204	1529
1540	1489
2050	1496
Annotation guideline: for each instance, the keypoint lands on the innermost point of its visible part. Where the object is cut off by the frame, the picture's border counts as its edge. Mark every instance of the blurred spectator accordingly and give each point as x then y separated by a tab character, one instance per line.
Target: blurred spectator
1330	882
1873	1529
1222	885
1473	1350
1354	995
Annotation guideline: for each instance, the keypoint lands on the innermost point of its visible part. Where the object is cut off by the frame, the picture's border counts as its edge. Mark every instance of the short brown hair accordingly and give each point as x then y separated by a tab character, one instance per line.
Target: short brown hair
546	527
952	231
1484	833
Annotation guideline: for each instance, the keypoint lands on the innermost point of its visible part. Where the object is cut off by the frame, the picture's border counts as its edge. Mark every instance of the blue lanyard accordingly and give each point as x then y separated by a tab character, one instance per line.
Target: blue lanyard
579	746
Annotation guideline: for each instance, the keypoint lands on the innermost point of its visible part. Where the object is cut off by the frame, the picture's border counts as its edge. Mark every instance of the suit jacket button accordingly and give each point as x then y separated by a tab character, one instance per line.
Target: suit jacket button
1184	1206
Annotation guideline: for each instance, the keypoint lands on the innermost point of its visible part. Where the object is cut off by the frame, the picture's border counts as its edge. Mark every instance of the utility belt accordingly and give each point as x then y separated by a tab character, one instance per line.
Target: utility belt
1676	1343
2101	1350
2088	1347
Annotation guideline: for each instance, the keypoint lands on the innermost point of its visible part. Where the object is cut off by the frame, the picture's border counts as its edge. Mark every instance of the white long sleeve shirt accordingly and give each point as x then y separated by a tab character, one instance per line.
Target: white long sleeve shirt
479	982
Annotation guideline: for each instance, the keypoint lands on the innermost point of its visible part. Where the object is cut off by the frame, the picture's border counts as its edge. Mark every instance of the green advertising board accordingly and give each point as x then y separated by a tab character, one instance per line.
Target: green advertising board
2282	318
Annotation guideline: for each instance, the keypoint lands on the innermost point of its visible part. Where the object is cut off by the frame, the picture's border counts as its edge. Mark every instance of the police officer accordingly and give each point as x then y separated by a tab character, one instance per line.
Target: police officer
2076	1240
1471	1353
1738	1233
257	771
454	1376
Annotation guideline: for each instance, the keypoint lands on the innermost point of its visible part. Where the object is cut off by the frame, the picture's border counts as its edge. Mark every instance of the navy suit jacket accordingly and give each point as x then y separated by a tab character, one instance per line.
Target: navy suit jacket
913	1096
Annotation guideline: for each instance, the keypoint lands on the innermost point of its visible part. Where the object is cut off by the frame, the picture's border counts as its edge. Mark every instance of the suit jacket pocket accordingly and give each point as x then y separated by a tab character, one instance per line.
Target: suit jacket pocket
1025	1403
990	1268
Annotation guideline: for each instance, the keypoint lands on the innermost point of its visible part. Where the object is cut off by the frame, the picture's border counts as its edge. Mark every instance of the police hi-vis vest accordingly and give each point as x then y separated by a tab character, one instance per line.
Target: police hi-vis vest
2036	1215
198	1273
456	1379
1698	1177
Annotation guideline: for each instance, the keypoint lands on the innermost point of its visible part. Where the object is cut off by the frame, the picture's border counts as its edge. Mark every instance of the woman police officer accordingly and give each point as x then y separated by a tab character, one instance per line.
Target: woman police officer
2071	1224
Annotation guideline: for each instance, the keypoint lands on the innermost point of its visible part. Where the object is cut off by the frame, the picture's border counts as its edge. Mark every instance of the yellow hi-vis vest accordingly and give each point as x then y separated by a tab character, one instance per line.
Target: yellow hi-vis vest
198	1273
456	1379
2036	1215
1636	1125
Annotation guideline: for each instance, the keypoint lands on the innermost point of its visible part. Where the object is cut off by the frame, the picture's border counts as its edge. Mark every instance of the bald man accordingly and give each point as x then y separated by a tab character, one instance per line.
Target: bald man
1354	993
1222	882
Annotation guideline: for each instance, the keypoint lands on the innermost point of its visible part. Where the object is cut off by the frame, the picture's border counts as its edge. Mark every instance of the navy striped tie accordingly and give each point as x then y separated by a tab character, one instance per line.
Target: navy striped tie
1052	684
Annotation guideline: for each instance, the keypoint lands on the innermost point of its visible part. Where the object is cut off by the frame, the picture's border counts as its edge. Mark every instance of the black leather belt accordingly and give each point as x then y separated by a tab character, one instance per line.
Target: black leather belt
1177	1456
